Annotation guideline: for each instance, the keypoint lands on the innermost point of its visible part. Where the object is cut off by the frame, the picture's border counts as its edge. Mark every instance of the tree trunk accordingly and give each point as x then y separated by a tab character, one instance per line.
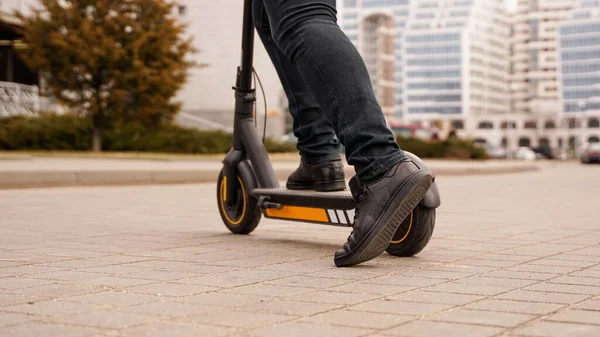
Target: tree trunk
98	122
97	139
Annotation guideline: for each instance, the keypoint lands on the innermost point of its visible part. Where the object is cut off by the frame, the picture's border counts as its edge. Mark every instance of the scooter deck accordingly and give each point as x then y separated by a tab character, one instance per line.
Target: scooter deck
333	208
335	200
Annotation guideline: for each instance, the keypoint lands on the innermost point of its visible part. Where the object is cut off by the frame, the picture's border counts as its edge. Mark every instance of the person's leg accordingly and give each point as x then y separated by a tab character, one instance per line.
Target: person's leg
388	185
316	138
321	167
306	31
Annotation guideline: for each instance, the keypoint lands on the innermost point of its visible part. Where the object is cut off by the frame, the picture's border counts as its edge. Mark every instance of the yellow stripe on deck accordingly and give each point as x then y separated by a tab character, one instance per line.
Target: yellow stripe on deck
299	213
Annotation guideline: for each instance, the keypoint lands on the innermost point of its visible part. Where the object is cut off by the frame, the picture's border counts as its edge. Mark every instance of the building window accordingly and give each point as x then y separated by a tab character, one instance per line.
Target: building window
182	9
486	125
531	125
593	123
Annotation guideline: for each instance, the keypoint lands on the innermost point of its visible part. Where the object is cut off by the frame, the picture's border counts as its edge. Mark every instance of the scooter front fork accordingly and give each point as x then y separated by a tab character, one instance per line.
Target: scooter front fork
230	164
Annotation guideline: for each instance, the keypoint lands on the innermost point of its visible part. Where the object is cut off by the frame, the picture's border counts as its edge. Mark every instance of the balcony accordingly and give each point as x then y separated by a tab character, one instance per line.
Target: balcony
18	99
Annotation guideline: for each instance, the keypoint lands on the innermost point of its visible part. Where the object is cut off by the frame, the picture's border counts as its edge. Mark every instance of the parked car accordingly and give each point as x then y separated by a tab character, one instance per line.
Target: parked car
495	151
525	153
591	154
546	152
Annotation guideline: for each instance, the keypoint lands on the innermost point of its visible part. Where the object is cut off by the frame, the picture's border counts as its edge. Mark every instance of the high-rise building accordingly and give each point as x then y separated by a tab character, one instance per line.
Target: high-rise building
579	52
455	62
449	59
376	27
534	64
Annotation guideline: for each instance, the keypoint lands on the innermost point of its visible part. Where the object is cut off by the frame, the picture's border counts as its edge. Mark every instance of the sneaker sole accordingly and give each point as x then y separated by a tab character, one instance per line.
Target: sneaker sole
379	239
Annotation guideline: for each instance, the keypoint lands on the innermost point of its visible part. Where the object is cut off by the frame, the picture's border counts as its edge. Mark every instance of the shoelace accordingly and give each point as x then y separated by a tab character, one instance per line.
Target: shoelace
361	194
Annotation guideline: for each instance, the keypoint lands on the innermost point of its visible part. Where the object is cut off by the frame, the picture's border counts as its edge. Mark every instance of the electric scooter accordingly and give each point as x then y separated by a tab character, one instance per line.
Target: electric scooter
247	187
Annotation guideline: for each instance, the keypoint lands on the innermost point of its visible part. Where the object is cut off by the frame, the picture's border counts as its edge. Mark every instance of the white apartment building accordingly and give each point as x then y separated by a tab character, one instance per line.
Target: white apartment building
450	58
579	73
376	27
455	63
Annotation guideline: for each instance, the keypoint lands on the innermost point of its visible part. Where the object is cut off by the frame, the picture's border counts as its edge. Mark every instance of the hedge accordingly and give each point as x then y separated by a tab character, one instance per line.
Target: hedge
452	148
71	133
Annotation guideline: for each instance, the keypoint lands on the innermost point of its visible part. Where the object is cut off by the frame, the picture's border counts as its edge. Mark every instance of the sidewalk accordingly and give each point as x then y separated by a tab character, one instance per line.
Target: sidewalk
26	171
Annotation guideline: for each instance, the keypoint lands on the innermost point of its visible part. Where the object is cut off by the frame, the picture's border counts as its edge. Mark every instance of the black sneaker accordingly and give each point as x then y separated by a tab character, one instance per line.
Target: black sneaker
382	205
324	177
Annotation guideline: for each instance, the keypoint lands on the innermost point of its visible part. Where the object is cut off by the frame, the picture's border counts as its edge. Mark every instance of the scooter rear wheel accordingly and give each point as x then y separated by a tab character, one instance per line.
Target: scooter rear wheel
414	233
243	215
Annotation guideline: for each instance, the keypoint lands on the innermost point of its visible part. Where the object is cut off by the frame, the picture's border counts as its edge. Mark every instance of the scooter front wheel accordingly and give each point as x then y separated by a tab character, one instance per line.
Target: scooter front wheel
414	233
241	213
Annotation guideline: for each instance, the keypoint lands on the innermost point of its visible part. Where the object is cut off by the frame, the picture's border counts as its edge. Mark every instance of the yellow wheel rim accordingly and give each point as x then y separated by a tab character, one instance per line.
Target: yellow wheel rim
223	195
407	232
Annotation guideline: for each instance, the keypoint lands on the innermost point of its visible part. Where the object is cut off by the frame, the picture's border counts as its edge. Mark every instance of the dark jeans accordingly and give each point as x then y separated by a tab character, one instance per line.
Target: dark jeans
327	84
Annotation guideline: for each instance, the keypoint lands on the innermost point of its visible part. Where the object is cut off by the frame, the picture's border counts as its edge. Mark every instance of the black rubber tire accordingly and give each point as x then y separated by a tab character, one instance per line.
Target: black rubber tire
237	219
414	233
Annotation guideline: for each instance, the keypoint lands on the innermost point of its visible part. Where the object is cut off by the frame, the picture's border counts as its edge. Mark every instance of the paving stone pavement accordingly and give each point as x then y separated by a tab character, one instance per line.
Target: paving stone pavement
512	255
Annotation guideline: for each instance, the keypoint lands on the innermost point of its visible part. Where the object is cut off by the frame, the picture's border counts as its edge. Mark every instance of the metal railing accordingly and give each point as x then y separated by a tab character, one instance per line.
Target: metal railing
188	120
18	99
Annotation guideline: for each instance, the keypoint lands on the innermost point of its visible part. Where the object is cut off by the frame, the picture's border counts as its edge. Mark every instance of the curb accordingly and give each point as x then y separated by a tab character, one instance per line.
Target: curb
41	178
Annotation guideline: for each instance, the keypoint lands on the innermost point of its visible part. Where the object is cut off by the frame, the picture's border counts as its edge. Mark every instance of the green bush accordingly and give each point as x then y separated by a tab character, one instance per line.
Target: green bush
453	148
71	133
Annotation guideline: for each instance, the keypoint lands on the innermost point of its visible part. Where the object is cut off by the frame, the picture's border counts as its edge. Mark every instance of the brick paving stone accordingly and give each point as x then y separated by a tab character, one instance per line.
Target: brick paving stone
47	330
31	271
218	281
309	282
10	299
436	297
171	289
442	329
7	319
559	261
239	319
564	288
297	329
403	308
589	305
268	290
333	297
495	281
293	308
372	289
540	268
58	290
542	297
359	319
557	329
480	317
13	283
576	316
113	298
107	319
516	306
222	299
587	273
169	308
404	281
577	280
115	282
179	329
521	275
52	308
469	289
